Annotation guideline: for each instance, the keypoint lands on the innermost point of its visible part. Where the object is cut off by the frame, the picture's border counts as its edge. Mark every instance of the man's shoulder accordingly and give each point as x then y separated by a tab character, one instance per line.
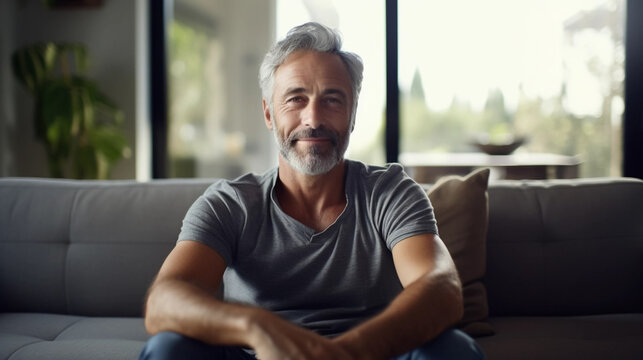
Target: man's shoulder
247	186
378	184
374	175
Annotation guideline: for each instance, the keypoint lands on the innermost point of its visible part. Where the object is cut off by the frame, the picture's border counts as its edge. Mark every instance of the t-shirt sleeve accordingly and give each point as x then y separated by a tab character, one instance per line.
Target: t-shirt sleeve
210	220
402	207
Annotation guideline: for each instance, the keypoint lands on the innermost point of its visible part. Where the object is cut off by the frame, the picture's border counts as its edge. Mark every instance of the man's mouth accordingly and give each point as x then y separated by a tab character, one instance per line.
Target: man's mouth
315	139
315	136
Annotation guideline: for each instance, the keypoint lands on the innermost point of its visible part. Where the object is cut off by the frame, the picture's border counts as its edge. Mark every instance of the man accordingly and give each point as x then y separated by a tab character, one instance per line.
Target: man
320	258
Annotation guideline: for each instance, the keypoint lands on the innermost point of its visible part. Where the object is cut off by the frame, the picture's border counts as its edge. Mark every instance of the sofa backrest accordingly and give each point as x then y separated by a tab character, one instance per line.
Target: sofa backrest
86	247
565	247
93	247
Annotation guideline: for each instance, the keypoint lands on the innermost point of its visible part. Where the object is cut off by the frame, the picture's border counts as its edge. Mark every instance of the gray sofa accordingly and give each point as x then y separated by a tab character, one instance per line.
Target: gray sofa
564	266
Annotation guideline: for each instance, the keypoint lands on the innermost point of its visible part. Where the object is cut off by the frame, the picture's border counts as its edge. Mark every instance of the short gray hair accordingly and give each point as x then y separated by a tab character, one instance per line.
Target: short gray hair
315	37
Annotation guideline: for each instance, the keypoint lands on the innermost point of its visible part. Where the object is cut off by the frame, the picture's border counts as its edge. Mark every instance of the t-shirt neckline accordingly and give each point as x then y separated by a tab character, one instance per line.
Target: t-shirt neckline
312	234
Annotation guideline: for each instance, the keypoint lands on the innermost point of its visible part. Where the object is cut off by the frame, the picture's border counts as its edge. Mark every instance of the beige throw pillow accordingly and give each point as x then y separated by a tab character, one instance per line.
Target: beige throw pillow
461	211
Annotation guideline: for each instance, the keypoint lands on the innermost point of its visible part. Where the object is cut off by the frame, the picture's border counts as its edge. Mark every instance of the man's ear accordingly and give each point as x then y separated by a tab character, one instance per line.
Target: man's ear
266	114
353	118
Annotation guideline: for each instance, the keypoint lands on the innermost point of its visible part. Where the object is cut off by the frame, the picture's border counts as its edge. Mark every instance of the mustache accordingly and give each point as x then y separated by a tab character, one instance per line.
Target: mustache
320	132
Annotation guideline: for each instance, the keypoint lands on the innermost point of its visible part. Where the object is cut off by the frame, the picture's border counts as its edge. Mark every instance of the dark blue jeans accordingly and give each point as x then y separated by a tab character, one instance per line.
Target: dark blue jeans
452	344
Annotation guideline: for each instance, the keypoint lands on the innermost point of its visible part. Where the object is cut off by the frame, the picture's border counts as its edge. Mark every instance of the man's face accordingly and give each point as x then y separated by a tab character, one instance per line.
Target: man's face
312	105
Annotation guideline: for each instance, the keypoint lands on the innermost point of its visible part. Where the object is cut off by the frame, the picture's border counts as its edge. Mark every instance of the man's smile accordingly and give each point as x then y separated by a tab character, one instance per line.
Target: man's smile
319	136
315	139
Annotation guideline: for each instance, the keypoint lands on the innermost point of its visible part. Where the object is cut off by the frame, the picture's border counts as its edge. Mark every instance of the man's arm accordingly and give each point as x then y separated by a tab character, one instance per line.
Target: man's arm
182	299
430	302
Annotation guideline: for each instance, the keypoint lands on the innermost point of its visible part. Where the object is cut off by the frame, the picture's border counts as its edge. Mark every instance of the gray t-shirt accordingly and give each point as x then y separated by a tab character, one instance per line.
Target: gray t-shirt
325	281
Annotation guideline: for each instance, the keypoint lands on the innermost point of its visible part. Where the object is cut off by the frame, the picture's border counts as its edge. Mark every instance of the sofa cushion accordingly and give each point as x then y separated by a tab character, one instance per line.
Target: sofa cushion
51	336
565	247
616	336
34	231
95	349
101	242
460	205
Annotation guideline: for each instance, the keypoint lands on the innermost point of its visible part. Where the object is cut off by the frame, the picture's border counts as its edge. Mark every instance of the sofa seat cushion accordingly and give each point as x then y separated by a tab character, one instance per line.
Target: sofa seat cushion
52	336
617	336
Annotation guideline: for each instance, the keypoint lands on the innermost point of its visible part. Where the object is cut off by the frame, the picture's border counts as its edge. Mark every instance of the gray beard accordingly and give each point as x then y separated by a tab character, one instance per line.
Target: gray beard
316	160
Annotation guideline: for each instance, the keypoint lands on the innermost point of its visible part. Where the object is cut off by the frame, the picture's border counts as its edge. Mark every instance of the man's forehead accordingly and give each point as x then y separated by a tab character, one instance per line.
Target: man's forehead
302	67
304	53
293	90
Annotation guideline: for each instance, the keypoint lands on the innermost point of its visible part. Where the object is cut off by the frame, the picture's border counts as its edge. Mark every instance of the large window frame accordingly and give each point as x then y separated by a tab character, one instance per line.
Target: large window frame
632	117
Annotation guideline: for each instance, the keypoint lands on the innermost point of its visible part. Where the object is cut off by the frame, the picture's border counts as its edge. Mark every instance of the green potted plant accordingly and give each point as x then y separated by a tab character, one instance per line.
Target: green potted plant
80	127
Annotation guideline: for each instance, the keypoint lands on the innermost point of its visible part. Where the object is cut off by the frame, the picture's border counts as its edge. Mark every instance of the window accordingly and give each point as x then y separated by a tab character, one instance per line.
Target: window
551	71
215	126
215	121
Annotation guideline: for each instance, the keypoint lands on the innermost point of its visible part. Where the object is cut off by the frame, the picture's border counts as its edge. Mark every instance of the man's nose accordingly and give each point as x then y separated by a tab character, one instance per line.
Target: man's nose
311	116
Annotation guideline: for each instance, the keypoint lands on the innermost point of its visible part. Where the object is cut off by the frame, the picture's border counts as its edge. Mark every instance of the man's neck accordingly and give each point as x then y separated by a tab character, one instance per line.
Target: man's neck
314	200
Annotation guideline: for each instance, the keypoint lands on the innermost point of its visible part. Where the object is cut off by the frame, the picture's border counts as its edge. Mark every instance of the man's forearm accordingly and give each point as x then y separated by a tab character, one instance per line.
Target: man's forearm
185	308
181	307
418	314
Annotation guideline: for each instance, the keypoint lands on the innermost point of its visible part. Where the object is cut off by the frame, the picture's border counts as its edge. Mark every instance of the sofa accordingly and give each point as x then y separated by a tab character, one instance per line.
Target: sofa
561	274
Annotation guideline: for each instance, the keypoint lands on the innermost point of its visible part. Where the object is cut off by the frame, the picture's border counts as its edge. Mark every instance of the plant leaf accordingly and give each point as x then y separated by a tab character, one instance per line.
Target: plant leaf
84	163
28	66
54	102
110	143
77	123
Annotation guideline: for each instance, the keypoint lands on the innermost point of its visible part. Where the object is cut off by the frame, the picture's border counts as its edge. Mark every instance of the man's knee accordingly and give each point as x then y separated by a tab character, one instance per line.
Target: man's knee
171	345
451	344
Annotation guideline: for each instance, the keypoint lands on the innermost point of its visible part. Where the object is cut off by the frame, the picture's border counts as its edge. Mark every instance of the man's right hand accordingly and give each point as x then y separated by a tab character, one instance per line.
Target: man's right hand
273	338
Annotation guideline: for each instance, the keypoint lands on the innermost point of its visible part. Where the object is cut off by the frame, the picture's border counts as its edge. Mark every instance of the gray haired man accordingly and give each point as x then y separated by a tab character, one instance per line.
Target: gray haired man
321	257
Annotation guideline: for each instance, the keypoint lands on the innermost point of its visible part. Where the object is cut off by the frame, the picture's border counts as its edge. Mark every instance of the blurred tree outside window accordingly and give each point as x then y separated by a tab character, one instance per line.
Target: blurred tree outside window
191	50
215	124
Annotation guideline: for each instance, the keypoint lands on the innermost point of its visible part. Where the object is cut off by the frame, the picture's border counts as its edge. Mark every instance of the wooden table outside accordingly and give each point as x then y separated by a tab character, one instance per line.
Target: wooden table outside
427	168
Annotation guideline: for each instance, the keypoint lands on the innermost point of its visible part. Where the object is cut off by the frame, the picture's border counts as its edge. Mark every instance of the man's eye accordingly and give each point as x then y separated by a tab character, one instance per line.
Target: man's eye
295	99
332	100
